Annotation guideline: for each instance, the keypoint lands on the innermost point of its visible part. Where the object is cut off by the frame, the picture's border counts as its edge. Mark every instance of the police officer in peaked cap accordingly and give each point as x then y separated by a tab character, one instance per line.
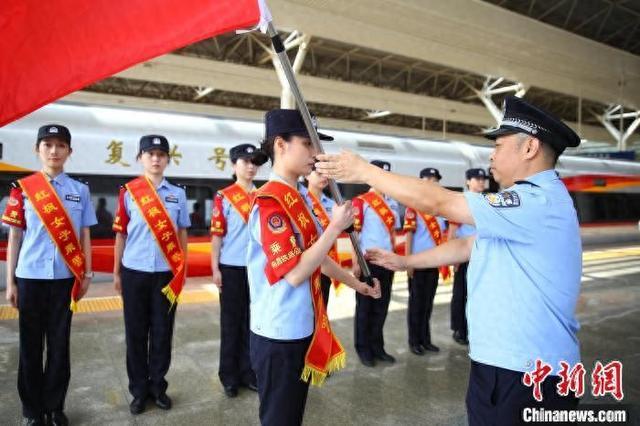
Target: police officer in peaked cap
525	261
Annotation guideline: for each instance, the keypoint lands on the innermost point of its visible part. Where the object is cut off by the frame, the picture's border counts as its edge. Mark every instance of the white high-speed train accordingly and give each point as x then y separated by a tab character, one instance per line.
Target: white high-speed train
105	140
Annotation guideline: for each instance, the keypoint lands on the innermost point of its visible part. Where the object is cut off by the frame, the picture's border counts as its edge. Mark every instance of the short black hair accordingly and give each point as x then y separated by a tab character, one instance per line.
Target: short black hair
550	153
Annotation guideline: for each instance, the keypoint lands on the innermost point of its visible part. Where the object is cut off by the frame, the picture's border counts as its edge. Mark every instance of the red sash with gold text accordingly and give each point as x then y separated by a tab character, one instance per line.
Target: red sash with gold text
239	199
433	227
323	218
382	209
325	353
163	230
56	221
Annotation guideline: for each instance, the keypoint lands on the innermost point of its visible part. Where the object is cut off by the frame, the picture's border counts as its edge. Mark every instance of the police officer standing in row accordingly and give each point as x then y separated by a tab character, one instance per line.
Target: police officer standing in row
229	240
376	221
322	208
423	232
525	261
48	272
149	270
475	182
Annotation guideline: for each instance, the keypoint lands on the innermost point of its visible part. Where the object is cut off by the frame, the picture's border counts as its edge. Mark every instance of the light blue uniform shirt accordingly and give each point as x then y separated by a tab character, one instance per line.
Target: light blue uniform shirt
279	311
524	275
234	243
39	257
374	232
328	204
422	239
141	252
465	230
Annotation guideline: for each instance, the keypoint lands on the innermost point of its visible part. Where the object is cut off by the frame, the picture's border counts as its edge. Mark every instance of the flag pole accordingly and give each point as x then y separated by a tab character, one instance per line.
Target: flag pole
280	50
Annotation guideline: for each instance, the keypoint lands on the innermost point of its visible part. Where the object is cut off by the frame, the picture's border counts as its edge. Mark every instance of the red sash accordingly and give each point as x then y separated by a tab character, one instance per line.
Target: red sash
323	218
163	230
433	227
239	199
382	209
58	224
325	353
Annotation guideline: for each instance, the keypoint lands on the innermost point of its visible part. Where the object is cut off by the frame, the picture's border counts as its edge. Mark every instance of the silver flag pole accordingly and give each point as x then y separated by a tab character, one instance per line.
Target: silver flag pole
280	50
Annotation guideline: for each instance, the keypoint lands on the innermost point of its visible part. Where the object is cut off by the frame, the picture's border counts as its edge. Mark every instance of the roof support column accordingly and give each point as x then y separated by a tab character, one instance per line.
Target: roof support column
295	39
616	112
492	87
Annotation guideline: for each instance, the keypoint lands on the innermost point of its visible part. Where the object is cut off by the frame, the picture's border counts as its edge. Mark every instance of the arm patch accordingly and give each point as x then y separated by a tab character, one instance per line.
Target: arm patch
503	199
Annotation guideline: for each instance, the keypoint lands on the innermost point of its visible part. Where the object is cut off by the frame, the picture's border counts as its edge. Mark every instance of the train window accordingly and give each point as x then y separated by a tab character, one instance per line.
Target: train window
594	207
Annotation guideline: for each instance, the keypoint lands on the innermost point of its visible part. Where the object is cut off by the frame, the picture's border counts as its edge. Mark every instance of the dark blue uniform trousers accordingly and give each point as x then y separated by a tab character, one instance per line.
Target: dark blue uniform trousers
148	326
235	367
497	396
45	317
278	365
371	315
459	300
422	290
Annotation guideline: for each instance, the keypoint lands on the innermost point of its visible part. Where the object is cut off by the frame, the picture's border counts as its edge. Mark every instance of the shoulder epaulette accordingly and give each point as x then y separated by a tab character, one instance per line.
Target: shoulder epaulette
179	185
520	182
78	179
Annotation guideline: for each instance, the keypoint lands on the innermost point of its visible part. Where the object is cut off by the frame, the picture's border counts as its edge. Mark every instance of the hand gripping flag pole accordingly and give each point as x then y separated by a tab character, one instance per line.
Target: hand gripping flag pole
278	46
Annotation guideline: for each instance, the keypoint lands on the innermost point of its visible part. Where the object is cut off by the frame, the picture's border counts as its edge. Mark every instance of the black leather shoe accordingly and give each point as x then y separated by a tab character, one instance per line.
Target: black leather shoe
431	347
138	405
383	356
58	418
460	338
33	421
367	362
253	387
416	349
231	391
163	401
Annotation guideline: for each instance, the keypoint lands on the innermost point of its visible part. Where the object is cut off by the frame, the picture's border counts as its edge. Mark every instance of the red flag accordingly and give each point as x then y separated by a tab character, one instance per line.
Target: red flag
50	48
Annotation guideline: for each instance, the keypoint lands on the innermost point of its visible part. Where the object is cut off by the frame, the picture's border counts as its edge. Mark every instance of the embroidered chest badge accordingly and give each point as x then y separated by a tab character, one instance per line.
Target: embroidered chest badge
171	198
72	197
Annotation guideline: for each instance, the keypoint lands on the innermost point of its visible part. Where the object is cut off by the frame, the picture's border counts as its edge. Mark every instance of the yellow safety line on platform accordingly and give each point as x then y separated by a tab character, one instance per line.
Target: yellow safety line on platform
611	253
114	303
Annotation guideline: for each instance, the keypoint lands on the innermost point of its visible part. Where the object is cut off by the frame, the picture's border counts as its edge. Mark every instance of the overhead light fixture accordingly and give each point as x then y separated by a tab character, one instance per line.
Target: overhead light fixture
201	92
371	115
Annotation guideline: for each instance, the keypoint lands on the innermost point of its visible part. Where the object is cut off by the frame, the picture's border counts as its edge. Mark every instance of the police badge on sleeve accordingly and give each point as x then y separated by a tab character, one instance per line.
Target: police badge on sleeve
503	199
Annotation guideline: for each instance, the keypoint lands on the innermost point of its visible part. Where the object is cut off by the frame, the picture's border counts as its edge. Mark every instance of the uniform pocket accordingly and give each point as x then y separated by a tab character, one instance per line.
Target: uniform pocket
174	211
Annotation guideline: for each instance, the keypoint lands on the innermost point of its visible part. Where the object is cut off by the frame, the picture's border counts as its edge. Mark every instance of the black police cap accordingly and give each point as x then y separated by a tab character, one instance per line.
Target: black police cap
429	172
384	165
523	117
54	131
281	121
248	151
149	142
476	173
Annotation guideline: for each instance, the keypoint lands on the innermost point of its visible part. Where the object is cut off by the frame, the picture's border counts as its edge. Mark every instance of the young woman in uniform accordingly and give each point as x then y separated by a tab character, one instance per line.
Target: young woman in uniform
322	208
48	272
149	270
291	338
229	237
